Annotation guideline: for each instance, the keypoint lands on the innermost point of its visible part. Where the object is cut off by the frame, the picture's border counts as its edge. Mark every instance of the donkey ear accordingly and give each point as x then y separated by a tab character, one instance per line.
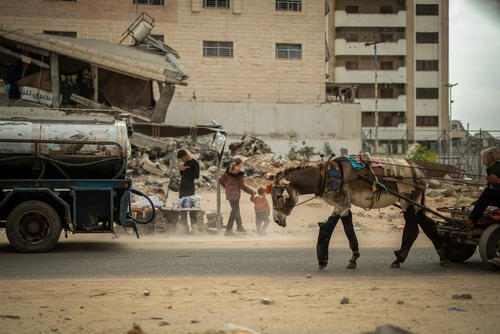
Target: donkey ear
269	176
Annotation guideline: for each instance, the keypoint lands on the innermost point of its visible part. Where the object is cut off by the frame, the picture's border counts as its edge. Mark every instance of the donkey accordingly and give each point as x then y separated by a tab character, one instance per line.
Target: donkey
359	188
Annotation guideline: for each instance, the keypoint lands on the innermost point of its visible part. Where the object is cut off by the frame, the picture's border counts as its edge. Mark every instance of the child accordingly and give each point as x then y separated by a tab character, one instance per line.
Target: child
262	210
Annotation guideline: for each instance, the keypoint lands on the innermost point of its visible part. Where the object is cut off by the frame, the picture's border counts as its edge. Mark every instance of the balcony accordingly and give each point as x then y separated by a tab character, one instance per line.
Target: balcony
426	51
397	104
424	23
344	48
426	133
355	76
427	79
342	19
427	107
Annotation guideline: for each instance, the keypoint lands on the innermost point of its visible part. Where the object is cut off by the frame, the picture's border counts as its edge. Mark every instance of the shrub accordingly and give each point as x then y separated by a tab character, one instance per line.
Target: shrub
420	153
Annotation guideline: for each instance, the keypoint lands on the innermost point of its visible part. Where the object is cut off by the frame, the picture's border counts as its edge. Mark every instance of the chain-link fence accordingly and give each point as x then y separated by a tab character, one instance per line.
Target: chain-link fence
460	148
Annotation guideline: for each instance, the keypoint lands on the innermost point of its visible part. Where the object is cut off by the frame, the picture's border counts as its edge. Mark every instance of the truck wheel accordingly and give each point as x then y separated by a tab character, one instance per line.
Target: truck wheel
458	252
489	245
33	226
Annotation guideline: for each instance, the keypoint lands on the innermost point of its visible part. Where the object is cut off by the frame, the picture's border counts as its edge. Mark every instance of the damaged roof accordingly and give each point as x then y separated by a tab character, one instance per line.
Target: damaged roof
120	58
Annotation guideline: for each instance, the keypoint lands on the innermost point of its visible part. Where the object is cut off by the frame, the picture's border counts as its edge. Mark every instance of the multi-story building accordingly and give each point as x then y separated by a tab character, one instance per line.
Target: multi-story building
260	66
412	66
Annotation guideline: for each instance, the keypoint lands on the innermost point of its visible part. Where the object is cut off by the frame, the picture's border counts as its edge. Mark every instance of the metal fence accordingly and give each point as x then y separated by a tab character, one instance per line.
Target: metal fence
458	148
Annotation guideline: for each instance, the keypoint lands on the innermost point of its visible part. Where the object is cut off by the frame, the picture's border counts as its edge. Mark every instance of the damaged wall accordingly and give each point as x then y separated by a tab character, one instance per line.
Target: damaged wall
336	123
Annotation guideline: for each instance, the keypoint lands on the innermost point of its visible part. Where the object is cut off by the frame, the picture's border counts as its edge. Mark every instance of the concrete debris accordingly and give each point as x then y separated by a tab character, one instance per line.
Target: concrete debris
249	146
154	161
448	192
433	193
344	300
433	183
266	301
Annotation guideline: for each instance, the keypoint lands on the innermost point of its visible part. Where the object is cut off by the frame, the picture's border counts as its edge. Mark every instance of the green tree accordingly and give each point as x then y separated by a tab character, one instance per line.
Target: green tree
421	153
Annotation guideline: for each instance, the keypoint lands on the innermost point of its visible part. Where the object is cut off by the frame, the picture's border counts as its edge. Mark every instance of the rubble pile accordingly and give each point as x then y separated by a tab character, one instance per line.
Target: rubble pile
464	190
249	146
154	161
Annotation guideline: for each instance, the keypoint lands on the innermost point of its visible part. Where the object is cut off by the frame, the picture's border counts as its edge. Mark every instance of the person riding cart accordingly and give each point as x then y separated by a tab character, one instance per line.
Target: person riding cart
490	195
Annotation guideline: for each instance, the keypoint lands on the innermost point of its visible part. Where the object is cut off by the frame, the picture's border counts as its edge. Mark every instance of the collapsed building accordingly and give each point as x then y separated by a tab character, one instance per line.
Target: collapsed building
64	71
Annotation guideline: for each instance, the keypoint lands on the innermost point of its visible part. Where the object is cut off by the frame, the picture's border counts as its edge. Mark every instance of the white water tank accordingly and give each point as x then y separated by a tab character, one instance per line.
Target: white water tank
51	143
142	31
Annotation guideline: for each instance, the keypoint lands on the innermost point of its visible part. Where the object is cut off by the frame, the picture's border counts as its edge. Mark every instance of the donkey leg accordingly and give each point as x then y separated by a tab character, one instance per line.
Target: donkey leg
324	236
410	233
353	240
430	230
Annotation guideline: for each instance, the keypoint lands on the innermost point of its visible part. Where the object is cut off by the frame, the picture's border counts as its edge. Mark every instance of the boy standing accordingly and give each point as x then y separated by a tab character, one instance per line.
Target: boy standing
262	210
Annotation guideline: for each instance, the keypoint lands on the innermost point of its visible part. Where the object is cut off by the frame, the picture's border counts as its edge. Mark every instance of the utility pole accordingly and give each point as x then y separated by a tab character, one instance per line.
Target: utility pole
375	151
450	87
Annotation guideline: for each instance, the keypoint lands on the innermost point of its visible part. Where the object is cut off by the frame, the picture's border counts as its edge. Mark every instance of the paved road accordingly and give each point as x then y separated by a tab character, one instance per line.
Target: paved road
123	260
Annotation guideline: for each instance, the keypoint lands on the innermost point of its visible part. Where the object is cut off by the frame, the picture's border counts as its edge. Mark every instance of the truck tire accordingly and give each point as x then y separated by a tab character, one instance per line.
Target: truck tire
489	245
33	226
458	252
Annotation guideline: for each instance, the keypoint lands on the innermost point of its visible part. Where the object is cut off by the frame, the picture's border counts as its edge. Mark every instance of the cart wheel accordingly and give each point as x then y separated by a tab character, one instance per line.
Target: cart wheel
33	226
489	245
458	252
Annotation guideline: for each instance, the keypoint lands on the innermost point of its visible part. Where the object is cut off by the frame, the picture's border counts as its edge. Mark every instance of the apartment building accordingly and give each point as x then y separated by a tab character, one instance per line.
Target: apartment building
412	66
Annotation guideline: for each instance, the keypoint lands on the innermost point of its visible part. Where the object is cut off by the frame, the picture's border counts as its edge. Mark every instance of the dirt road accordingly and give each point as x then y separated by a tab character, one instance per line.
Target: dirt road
93	284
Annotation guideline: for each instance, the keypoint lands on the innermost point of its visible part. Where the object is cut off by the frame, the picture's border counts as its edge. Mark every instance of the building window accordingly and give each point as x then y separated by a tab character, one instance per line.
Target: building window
289	51
386	10
351	37
60	33
216	3
367	119
391	119
427	93
387	37
386	93
352	65
427	37
427	10
217	49
427	65
427	121
293	5
150	2
352	9
386	65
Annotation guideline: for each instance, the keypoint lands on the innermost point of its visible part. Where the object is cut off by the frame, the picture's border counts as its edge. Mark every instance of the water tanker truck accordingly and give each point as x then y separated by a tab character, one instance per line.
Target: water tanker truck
60	171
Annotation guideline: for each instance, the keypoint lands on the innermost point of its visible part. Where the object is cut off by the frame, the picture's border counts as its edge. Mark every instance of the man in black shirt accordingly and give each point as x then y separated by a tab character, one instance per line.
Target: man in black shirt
490	195
189	170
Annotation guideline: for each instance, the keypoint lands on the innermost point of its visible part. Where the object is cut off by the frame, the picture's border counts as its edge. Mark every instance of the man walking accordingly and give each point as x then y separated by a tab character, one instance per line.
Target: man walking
189	170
